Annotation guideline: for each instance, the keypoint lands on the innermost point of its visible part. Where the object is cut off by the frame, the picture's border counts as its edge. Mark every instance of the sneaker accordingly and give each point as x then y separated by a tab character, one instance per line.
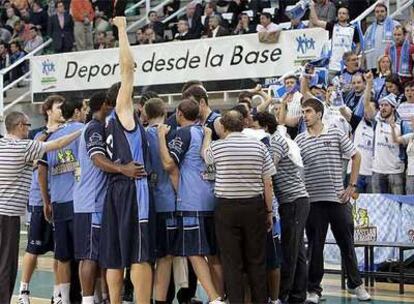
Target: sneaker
57	300
312	297
24	297
360	292
217	301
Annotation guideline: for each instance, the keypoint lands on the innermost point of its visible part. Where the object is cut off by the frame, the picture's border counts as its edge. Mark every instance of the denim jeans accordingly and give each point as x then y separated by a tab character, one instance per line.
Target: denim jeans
409	185
388	183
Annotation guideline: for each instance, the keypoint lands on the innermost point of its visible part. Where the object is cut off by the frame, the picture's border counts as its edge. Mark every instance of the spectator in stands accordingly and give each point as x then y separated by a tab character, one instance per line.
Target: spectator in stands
20	32
406	109
194	20
388	162
51	7
243	26
11	17
24	13
378	35
110	40
354	101
39	17
6	33
101	24
6	5
341	33
296	24
100	41
351	62
393	86
139	37
151	37
4	56
35	41
215	29
406	140
291	104
325	10
268	31
382	71
171	7
16	53
60	29
83	15
156	25
402	54
183	33
209	11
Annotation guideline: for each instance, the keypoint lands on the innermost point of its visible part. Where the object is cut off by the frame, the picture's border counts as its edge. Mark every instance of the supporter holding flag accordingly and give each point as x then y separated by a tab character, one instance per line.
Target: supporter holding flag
388	161
401	53
378	35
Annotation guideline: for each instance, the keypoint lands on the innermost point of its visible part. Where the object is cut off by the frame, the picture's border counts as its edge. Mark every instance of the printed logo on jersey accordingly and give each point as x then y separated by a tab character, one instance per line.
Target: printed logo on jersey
66	162
95	139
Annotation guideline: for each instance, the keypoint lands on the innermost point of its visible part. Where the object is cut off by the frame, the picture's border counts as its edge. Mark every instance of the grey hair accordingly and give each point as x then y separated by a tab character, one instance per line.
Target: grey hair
13	119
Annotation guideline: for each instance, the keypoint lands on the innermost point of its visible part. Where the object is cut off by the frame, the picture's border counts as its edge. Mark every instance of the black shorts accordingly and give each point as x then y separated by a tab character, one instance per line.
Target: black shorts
63	222
124	240
195	236
166	233
86	235
40	232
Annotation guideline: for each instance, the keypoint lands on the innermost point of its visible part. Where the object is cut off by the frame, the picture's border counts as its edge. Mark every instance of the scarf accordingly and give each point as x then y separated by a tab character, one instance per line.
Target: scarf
300	26
371	32
403	69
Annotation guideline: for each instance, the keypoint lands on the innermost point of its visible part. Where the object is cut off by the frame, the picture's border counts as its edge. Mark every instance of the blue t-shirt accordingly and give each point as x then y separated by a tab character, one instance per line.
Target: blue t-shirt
63	165
35	196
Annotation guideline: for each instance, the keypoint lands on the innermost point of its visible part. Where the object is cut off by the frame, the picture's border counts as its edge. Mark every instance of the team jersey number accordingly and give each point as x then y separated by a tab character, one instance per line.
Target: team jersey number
110	145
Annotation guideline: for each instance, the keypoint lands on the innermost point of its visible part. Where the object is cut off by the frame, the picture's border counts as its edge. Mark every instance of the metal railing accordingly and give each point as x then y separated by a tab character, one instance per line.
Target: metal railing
4	89
131	8
402	6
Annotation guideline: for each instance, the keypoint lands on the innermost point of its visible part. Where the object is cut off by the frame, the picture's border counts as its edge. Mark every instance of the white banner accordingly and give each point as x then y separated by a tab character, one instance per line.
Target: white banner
223	58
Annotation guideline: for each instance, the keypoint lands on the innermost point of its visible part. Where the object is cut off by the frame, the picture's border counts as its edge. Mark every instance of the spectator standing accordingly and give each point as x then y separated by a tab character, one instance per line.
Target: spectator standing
34	41
101	24
60	29
407	140
329	200
325	10
16	53
378	35
291	104
388	161
4	55
401	53
39	17
209	11
382	71
244	206
406	109
351	68
342	34
83	15
15	180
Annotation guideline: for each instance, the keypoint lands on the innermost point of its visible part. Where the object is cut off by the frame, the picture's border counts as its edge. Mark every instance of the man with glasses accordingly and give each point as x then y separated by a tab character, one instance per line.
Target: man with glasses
17	154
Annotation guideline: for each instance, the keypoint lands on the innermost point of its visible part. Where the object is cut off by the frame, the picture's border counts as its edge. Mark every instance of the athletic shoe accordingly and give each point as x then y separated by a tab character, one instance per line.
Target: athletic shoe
217	301
24	297
360	292
312	297
57	300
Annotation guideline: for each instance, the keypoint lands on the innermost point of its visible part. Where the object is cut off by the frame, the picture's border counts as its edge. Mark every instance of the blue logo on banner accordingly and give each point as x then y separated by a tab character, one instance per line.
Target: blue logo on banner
304	44
48	67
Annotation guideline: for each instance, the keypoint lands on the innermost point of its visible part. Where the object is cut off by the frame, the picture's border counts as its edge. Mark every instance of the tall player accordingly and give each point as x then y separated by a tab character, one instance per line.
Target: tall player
90	191
125	232
40	234
62	169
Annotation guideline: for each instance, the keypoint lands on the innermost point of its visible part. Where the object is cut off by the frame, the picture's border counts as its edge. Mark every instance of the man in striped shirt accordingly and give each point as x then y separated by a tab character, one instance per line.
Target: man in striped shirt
17	154
243	188
323	150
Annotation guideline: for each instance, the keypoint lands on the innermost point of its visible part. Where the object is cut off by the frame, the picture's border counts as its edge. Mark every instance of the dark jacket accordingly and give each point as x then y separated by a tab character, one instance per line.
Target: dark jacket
62	37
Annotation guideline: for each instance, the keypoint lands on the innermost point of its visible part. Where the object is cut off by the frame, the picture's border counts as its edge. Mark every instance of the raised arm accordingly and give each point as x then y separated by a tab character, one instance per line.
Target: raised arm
262	107
124	107
304	88
369	108
313	17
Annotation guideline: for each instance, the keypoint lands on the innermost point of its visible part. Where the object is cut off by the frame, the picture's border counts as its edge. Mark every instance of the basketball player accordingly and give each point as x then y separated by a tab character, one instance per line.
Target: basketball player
125	232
